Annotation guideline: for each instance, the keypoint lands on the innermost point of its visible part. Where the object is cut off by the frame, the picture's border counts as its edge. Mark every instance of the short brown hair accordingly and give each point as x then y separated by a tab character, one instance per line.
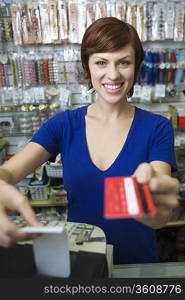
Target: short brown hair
109	34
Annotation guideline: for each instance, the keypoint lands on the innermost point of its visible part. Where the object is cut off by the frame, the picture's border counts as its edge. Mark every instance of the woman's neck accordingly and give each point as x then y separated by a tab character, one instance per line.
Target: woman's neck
111	112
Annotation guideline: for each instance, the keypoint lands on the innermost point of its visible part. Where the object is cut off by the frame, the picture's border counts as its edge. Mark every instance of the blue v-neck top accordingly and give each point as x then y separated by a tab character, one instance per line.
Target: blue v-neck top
150	138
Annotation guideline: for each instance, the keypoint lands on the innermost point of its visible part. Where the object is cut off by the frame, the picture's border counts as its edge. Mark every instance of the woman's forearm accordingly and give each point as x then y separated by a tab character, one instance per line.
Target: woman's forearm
6	176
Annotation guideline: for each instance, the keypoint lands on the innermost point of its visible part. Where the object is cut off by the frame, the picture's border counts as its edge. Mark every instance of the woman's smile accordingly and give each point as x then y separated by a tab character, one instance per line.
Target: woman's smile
113	88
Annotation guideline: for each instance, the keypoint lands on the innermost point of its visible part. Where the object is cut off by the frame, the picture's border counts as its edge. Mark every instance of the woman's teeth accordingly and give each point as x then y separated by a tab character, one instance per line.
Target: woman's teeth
112	87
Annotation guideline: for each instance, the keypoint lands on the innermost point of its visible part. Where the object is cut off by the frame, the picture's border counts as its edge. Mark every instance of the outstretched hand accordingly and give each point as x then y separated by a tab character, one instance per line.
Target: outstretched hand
164	191
11	200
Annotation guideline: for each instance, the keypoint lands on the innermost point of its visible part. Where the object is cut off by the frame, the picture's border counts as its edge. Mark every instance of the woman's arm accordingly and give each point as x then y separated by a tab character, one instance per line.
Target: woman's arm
11	200
23	163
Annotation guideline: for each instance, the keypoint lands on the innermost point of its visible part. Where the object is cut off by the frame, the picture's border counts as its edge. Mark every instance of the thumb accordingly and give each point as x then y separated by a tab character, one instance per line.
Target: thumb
144	172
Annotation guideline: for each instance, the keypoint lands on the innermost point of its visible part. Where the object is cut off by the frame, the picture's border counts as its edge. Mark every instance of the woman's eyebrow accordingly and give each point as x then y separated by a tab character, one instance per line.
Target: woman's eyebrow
100	57
127	56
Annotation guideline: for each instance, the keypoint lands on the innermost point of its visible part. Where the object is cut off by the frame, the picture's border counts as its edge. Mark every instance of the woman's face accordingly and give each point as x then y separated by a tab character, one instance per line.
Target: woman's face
112	73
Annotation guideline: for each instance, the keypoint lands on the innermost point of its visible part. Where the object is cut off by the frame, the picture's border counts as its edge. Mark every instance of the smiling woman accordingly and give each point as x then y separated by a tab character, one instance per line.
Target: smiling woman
108	138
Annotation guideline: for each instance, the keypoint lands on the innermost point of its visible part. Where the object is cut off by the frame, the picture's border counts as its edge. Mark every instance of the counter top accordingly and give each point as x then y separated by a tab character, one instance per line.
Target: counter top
167	270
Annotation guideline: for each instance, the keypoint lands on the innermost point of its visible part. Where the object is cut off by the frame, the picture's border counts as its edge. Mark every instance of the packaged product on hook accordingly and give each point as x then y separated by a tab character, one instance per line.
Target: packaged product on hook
29	70
121	10
80	72
141	17
34	22
26	26
180	62
55	69
172	67
39	94
2	75
146	94
62	20
159	91
53	20
149	20
28	97
16	95
81	20
73	24
100	10
45	66
76	54
64	98
159	17
13	68
6	24
90	13
16	24
170	17
179	22
131	14
45	23
17	69
71	70
8	97
50	69
60	69
7	74
39	70
110	8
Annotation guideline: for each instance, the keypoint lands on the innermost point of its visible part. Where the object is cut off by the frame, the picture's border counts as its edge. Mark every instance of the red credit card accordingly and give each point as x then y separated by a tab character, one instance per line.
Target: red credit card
124	197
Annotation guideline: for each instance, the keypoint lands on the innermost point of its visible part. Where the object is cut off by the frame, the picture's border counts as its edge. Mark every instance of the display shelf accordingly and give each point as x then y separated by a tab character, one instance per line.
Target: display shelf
47	203
16	134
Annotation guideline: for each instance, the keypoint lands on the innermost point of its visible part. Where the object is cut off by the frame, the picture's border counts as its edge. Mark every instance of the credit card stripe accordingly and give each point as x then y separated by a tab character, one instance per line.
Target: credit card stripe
143	199
149	199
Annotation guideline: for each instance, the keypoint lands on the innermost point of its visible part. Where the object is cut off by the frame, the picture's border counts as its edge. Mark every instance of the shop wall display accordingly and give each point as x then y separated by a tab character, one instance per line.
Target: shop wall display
40	68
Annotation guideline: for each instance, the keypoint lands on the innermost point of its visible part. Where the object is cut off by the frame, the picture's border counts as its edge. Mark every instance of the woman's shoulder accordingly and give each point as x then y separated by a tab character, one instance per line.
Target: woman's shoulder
68	115
77	112
153	123
151	116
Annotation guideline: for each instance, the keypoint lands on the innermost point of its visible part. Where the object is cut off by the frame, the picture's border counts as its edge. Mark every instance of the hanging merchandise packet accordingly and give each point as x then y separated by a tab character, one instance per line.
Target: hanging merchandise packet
124	197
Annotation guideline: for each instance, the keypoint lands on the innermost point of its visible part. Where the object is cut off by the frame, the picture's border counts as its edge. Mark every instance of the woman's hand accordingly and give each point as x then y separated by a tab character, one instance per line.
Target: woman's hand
164	191
11	200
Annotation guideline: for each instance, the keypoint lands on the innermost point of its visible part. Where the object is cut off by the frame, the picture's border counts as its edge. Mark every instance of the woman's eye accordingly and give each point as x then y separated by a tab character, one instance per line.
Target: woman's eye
125	63
100	63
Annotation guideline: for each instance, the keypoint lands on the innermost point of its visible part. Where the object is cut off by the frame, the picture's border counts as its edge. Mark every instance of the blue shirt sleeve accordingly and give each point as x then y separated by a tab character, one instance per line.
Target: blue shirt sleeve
49	134
162	147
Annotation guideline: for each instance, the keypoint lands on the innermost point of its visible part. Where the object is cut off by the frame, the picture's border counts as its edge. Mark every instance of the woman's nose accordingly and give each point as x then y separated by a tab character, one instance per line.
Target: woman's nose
113	73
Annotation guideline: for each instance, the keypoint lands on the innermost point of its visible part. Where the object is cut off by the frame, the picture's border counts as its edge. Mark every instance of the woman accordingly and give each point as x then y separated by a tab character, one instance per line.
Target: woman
110	137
